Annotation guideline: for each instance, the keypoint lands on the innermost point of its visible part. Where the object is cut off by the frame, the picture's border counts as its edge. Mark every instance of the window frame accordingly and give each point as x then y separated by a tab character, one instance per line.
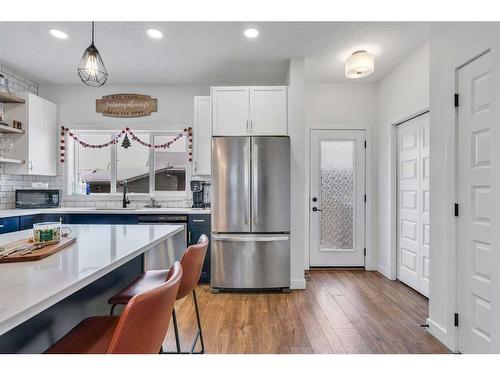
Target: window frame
72	164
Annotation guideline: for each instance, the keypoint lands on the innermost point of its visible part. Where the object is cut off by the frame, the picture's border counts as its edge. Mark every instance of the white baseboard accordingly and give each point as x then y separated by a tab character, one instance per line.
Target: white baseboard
384	271
298	284
440	333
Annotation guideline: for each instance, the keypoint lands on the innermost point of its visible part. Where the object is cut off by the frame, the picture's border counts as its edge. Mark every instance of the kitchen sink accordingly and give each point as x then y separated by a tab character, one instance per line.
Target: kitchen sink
115	209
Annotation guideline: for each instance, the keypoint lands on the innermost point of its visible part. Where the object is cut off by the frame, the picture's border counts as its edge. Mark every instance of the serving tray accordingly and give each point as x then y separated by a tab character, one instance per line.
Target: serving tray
36	254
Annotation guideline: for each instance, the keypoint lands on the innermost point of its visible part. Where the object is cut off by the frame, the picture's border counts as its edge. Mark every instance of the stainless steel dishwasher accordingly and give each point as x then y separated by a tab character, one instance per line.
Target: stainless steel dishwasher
165	254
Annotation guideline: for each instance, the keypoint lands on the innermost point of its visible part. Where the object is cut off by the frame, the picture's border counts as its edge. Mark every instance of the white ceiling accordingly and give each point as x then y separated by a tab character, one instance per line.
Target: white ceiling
206	52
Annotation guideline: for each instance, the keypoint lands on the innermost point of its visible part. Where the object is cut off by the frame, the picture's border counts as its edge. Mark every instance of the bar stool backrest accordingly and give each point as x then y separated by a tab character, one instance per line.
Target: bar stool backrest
192	264
143	325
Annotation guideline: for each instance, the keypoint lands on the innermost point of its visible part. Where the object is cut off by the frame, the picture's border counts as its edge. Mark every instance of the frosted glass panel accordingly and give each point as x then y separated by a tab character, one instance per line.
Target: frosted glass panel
337	194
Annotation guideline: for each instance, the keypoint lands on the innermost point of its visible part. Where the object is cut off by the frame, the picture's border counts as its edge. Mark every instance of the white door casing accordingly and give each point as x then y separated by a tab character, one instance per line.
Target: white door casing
475	198
337	183
413	203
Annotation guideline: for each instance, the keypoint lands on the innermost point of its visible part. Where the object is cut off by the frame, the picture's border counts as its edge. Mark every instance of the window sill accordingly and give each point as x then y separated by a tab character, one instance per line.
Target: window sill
132	196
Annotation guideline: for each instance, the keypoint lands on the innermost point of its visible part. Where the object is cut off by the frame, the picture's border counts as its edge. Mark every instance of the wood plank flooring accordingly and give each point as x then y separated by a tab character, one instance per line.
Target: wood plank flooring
341	311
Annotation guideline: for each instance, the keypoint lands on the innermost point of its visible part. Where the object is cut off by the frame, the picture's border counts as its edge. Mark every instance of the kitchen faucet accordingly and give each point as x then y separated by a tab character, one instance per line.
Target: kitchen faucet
125	192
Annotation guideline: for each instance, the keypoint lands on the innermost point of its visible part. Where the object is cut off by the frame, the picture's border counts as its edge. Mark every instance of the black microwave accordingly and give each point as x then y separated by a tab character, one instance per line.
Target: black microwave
37	198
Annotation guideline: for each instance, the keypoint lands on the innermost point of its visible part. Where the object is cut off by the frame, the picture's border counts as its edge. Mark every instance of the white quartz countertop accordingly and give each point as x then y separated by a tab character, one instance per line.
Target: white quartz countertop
28	288
107	211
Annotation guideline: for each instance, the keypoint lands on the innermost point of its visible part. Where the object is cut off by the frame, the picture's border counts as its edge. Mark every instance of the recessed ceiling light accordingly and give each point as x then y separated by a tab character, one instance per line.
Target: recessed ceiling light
251	33
58	34
156	34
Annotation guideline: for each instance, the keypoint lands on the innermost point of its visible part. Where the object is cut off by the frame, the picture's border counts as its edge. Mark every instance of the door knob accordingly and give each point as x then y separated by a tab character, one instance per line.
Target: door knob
316	209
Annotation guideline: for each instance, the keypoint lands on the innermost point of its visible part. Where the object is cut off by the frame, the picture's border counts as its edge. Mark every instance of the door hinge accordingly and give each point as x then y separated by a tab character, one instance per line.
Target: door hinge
364	251
456	100
365	144
455	320
456	209
365	197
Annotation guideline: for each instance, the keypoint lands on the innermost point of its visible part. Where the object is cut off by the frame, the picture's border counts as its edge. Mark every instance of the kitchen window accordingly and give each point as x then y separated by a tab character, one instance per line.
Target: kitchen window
162	172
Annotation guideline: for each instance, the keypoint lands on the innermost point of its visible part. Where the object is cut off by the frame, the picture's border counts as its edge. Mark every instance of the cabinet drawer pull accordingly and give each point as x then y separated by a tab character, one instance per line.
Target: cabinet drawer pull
198	220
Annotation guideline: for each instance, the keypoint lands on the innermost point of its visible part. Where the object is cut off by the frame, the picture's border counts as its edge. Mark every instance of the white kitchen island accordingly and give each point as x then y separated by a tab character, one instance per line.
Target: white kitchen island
41	300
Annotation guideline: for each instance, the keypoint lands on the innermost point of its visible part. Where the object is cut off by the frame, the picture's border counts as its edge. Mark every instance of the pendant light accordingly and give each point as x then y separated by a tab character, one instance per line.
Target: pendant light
91	69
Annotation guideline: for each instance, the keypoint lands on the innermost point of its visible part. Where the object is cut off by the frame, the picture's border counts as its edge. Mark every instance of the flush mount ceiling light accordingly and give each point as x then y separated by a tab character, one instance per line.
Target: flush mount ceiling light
251	33
58	34
91	69
360	64
155	34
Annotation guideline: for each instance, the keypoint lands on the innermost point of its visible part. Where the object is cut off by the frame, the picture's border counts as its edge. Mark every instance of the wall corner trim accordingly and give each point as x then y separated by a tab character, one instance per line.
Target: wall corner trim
440	333
298	284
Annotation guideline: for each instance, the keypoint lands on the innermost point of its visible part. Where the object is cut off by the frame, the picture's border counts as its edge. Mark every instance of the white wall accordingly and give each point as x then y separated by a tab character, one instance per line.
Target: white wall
326	106
340	103
400	94
342	106
76	104
296	120
451	45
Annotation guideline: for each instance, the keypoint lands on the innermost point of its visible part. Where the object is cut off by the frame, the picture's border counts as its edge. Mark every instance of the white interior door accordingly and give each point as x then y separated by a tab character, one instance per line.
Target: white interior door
337	191
475	226
413	203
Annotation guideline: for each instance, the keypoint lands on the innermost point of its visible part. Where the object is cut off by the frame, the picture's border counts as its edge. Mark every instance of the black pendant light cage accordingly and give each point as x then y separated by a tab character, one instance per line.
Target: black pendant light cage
91	69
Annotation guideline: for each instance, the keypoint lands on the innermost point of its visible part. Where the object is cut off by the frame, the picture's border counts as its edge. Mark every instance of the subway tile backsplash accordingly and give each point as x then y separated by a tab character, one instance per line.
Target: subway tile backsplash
9	183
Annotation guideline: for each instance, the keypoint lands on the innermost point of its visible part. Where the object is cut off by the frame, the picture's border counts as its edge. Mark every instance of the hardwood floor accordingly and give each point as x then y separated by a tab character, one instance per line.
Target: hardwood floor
342	311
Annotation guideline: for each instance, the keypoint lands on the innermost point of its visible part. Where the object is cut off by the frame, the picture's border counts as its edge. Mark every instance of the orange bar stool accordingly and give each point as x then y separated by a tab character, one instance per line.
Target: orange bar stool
140	329
192	263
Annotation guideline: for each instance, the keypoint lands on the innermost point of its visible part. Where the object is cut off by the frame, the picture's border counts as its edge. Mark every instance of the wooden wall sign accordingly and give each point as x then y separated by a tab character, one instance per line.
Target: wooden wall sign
126	105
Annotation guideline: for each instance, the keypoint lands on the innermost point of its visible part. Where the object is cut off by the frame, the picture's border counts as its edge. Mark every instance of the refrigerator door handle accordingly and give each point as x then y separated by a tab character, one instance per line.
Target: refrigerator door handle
255	183
246	174
253	238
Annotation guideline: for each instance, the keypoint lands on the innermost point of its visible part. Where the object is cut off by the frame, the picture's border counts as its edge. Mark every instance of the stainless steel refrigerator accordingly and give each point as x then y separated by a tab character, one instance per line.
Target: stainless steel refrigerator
250	213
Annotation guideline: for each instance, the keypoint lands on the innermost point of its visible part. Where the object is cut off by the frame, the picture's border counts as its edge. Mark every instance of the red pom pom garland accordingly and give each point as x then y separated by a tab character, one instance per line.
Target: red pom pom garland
188	132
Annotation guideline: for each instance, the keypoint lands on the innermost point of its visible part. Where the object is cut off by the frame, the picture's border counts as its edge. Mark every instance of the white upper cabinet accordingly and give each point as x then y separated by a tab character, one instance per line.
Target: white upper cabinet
38	147
202	135
249	110
268	110
231	110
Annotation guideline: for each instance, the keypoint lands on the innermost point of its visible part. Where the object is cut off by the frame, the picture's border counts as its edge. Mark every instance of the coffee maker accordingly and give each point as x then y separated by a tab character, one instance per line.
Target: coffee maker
200	194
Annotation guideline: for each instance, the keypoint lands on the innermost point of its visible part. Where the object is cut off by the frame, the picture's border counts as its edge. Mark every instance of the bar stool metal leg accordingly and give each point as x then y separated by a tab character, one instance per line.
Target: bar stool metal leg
200	333
176	331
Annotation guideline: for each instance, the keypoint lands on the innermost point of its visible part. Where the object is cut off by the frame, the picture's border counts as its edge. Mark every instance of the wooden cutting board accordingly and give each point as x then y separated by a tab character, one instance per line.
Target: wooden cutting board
36	254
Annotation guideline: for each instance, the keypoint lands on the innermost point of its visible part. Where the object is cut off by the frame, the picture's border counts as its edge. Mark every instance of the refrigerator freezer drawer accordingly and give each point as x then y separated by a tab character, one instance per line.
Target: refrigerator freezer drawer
250	261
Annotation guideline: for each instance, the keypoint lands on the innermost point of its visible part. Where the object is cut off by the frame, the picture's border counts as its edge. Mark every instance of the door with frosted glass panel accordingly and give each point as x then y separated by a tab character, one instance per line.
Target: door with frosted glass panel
336	198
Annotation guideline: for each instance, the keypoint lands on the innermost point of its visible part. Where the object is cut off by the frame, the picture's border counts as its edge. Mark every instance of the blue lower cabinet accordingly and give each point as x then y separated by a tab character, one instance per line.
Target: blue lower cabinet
54	217
101	219
9	224
26	222
197	226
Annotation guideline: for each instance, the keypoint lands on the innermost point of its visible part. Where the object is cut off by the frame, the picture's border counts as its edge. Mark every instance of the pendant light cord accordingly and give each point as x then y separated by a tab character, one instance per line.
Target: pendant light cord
92	32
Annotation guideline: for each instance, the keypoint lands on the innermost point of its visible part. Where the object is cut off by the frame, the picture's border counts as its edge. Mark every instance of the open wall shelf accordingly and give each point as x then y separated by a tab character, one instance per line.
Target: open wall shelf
11	161
8	130
8	98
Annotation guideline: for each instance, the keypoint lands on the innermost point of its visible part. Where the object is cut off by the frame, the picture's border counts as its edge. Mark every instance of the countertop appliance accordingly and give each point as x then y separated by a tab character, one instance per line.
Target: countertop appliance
250	213
200	190
158	259
37	198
